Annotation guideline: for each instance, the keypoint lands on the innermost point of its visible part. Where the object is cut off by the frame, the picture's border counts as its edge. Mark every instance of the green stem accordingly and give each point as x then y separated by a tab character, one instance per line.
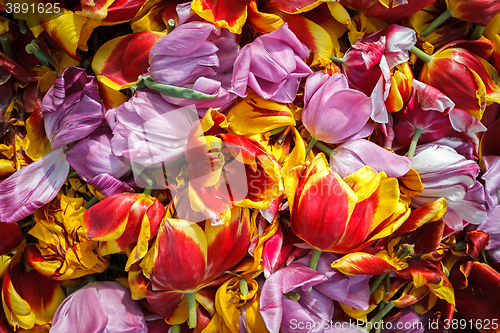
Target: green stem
385	310
414	141
243	286
170	25
421	54
337	59
387	281
72	174
147	190
311	144
22	26
315	258
314	261
277	130
176	329
192	319
436	23
376	282
477	33
7	50
91	202
35	48
324	148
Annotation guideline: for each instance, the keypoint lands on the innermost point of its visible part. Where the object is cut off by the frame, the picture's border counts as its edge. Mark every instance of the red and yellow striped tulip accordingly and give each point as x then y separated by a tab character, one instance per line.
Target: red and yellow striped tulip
133	220
344	215
187	257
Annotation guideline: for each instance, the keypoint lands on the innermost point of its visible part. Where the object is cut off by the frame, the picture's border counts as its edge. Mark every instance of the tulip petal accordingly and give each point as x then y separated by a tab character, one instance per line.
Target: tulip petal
359	263
119	62
20	197
223	13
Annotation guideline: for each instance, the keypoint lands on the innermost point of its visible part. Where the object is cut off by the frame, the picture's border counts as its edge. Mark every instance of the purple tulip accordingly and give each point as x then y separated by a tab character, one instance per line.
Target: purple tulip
445	173
199	56
314	309
272	65
333	112
492	226
355	154
72	108
99	307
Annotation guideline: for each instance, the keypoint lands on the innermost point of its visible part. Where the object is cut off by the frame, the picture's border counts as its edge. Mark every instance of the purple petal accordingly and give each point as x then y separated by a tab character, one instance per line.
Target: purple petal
92	156
283	281
72	108
33	186
100	307
328	116
492	179
81	309
353	155
151	131
492	226
109	185
272	65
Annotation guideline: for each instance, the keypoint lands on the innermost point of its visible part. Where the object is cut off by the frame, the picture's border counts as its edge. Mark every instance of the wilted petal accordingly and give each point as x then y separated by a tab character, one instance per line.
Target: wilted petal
355	154
72	108
92	156
150	131
283	281
33	186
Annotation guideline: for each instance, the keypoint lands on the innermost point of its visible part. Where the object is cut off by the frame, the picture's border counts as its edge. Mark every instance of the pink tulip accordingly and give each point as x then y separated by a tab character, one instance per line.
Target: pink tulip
272	65
333	112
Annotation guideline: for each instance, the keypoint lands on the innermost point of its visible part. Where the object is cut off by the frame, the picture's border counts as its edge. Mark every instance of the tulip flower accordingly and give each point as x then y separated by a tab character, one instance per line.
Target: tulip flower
328	109
133	220
344	215
100	307
368	62
29	299
227	170
459	71
272	65
212	250
447	174
429	116
63	251
198	56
